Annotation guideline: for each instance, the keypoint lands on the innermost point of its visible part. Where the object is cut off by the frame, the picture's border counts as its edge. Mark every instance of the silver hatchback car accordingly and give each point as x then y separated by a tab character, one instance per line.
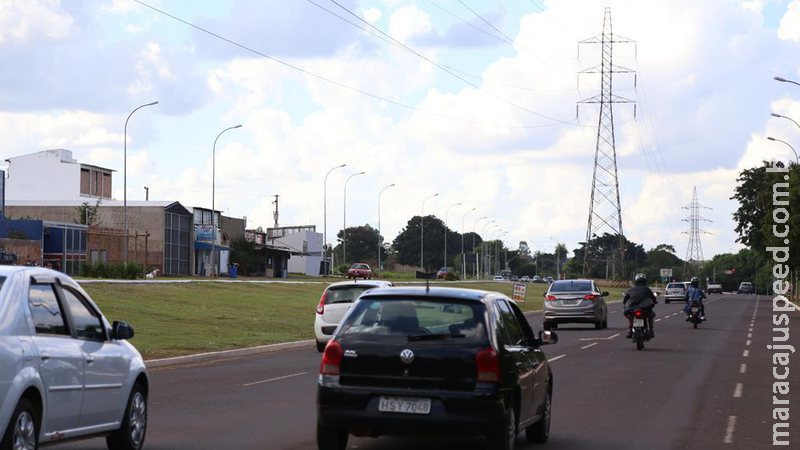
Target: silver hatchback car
65	372
576	301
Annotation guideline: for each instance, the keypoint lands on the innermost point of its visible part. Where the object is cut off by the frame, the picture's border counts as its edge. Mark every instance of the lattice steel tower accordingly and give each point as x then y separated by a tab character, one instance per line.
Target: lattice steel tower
604	206
694	251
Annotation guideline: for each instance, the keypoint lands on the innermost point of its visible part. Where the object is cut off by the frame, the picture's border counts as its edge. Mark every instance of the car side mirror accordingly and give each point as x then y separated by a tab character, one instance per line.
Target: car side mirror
604	294
121	330
547	337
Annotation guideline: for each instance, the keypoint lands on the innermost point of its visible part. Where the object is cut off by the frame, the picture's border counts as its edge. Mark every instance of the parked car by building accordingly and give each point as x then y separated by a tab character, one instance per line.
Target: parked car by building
549	279
675	290
575	301
498	278
526	279
334	302
538	279
65	371
359	270
745	287
412	360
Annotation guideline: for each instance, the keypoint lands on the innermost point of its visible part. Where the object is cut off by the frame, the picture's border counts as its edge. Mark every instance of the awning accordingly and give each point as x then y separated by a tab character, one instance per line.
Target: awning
200	245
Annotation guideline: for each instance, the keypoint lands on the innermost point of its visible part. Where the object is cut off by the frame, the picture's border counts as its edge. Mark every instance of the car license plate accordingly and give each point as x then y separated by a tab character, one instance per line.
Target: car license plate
695	309
405	405
569	302
638	322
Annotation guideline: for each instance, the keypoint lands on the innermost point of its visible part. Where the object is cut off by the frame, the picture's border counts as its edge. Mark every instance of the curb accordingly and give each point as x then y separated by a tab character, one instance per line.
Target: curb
212	356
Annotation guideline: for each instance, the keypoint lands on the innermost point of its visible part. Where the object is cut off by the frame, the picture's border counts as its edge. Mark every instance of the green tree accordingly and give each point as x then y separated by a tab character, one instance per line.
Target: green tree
86	214
362	246
247	255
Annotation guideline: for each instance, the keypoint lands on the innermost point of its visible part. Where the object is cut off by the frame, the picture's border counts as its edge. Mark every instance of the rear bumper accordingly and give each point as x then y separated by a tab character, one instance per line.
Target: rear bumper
590	314
356	410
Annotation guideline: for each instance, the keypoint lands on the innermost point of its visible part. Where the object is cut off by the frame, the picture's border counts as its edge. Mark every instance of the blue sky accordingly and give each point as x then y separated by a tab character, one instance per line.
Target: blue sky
474	100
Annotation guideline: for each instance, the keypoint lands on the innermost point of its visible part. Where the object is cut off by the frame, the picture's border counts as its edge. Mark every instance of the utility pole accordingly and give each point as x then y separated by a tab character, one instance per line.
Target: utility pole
275	214
604	204
146	193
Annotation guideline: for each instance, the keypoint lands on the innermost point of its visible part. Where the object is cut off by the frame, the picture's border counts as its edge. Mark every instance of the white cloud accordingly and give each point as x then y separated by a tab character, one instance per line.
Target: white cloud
409	22
790	23
23	20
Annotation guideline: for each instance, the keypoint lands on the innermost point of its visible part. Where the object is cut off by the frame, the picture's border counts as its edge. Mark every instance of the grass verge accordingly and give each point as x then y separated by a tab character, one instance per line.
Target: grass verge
174	319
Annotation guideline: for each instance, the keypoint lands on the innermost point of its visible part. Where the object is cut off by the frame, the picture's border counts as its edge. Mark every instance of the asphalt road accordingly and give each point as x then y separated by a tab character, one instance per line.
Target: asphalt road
689	389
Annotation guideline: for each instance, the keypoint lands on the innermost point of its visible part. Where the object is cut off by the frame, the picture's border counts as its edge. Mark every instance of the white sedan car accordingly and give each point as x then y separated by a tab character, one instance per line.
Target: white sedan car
65	372
334	303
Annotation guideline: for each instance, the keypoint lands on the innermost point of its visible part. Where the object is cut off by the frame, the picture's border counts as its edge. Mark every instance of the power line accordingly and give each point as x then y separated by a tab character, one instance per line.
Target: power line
505	37
440	66
351	88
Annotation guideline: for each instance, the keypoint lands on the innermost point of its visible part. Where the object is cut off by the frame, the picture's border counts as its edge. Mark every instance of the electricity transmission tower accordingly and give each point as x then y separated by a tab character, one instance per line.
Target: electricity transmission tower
604	205
694	251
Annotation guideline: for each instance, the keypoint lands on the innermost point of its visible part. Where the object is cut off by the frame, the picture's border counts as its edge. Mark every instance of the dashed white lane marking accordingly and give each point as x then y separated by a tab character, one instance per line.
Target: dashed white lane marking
747	343
737	393
749	335
743	368
746	353
730	429
590	345
658	320
273	379
750	330
612	337
556	358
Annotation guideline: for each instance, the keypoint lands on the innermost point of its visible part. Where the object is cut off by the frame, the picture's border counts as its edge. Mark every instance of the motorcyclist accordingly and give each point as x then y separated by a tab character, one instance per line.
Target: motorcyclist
694	294
639	296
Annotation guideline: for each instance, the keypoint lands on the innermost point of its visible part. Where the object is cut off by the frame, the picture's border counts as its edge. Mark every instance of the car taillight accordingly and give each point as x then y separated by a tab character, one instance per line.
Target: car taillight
331	359
322	300
488	365
591	297
551	298
638	313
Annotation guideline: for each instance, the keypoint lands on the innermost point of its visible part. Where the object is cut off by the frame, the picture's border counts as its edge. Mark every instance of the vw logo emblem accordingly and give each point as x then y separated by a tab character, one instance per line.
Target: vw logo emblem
407	356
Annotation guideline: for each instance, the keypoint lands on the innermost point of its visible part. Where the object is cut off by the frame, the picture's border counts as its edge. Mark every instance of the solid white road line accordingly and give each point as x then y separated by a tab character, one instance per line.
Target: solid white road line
556	358
590	345
743	368
737	393
273	379
731	428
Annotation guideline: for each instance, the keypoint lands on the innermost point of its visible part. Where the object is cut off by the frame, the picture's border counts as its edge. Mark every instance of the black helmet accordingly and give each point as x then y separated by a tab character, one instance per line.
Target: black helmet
695	281
640	278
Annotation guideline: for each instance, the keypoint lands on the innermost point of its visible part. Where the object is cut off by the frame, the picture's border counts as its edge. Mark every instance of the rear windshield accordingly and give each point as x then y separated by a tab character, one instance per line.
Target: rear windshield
571	286
346	294
676	286
359	266
746	284
2	281
416	320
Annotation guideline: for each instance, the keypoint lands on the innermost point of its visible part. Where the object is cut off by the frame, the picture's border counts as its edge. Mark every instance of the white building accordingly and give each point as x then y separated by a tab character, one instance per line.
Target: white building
305	244
55	175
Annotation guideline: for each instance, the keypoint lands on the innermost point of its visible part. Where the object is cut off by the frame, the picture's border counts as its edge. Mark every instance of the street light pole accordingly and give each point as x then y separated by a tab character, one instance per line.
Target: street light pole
325	220
796	157
784	80
125	177
422	232
464	255
475	232
344	224
214	266
380	238
483	244
447	212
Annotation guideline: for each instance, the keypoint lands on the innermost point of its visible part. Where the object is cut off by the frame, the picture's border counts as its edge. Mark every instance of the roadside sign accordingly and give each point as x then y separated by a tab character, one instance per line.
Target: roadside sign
728	272
666	273
520	290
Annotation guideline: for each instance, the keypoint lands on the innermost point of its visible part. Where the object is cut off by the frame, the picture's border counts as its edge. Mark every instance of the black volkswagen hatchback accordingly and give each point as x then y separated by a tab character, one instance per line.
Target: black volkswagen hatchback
414	360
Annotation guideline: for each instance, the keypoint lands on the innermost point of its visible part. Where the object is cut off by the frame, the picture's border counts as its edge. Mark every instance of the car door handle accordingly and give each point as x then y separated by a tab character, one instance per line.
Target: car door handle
89	360
44	356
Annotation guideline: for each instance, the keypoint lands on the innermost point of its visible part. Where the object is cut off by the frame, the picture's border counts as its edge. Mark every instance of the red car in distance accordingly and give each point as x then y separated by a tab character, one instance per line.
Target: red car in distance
359	270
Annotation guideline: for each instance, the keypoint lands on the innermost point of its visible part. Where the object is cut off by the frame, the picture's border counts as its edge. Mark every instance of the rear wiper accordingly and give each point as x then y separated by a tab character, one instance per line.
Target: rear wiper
343	301
432	337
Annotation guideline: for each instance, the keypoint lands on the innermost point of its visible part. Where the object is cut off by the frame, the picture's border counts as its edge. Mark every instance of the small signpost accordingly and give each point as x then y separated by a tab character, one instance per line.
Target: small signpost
520	290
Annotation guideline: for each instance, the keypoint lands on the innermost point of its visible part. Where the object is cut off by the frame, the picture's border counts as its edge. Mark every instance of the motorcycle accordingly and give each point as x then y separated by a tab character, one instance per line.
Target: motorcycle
694	313
641	328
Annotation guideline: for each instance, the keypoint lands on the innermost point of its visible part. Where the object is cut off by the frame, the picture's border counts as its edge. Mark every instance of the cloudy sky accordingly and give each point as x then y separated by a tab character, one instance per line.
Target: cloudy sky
472	99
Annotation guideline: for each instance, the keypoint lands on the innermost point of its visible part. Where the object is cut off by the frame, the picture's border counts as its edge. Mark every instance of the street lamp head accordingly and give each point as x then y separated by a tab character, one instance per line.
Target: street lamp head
236	126
780	79
775	115
771	138
151	104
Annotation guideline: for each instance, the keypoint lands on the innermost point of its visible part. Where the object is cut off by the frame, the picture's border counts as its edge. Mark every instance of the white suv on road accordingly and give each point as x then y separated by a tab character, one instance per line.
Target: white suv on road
334	303
65	372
